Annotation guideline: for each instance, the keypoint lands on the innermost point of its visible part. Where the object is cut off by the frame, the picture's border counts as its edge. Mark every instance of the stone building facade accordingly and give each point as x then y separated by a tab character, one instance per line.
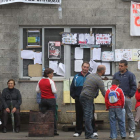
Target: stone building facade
75	13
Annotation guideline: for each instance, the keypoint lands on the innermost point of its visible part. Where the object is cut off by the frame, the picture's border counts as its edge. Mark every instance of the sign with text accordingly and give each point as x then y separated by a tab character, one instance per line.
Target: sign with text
103	39
2	2
135	19
69	38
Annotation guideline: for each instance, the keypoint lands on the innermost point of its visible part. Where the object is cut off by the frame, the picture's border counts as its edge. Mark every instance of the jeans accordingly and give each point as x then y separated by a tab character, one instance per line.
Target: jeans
87	105
113	114
123	117
49	104
79	117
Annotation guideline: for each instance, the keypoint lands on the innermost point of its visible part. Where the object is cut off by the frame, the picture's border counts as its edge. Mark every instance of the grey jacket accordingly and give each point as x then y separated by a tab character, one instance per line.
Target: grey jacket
91	86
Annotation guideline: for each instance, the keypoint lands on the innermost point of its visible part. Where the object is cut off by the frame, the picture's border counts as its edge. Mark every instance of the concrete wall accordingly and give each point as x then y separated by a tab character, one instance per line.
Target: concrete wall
75	13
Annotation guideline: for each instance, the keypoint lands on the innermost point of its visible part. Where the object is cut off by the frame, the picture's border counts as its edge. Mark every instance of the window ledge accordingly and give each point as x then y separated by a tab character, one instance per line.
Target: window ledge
36	79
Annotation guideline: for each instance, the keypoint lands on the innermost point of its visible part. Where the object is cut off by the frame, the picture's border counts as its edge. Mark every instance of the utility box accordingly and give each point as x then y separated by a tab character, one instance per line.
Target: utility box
41	125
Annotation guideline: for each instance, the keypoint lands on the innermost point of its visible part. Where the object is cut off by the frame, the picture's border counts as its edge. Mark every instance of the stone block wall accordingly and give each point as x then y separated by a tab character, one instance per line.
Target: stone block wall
80	13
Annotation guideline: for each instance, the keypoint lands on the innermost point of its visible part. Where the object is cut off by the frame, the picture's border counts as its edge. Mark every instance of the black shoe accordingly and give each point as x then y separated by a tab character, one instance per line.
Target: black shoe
91	137
56	134
4	130
17	130
123	137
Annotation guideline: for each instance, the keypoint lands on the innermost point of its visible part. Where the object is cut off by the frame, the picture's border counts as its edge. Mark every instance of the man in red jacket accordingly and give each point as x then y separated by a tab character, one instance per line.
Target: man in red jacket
114	100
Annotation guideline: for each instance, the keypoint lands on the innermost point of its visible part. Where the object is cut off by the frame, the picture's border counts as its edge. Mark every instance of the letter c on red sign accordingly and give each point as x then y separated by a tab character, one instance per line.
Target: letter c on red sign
136	21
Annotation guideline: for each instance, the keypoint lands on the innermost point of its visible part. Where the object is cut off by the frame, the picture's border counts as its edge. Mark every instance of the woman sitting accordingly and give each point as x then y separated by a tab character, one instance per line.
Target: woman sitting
11	101
46	87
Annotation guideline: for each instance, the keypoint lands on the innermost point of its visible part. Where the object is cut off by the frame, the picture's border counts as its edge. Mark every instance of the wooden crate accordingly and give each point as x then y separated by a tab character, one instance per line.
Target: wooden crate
41	125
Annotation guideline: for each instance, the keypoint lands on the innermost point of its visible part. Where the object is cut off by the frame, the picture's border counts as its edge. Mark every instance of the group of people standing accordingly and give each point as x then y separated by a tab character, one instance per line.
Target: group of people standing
85	88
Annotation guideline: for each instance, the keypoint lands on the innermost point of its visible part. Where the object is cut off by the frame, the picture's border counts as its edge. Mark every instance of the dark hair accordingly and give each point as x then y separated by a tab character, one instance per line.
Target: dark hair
115	82
86	62
11	80
139	82
124	61
48	71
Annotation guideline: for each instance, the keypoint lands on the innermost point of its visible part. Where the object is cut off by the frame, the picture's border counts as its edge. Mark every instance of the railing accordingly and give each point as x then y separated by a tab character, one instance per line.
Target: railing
31	1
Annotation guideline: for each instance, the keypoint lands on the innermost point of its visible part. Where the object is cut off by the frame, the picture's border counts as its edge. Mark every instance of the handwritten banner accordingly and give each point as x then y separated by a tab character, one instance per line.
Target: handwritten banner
135	19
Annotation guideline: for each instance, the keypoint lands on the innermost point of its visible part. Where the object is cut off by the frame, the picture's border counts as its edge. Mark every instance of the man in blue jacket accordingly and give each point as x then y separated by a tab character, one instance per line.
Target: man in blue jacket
128	85
75	91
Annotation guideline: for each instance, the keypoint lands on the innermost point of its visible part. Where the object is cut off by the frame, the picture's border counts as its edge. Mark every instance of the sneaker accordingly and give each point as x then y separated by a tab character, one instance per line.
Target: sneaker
76	135
123	137
91	137
95	134
0	122
56	134
131	135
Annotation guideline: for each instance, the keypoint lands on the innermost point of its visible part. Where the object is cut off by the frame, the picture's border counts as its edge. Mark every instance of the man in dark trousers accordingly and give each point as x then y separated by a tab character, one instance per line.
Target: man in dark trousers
128	85
75	91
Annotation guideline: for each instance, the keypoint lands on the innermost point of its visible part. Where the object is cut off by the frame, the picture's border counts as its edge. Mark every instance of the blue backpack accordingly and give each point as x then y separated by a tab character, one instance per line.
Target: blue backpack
38	98
112	96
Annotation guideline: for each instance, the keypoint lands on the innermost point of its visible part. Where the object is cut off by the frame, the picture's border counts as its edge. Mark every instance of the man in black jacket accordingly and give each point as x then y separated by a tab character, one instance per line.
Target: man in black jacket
11	101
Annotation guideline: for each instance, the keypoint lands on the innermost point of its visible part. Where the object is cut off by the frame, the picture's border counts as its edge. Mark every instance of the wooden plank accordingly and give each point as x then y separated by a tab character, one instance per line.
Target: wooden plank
27	111
96	111
33	47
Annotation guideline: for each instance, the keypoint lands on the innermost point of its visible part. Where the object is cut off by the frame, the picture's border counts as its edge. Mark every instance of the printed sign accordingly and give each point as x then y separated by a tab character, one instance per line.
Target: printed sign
103	39
107	56
69	38
54	52
86	39
33	38
125	54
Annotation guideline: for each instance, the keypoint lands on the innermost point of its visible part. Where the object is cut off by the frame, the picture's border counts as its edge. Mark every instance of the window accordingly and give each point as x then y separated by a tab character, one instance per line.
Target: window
86	52
67	51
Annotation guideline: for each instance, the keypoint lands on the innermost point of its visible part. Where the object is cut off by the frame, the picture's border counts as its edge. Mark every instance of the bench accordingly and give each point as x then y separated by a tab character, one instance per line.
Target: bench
27	111
96	111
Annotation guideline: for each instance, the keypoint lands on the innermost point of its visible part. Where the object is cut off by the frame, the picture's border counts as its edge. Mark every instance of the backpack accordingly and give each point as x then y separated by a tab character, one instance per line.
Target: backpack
38	98
113	98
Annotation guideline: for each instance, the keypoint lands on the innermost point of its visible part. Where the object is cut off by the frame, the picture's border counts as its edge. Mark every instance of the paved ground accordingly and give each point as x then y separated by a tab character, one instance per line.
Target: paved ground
103	135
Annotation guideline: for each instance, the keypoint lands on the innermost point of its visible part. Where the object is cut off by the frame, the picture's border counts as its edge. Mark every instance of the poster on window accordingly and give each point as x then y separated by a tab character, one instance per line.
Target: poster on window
107	56
104	39
86	39
33	37
69	38
135	19
54	50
